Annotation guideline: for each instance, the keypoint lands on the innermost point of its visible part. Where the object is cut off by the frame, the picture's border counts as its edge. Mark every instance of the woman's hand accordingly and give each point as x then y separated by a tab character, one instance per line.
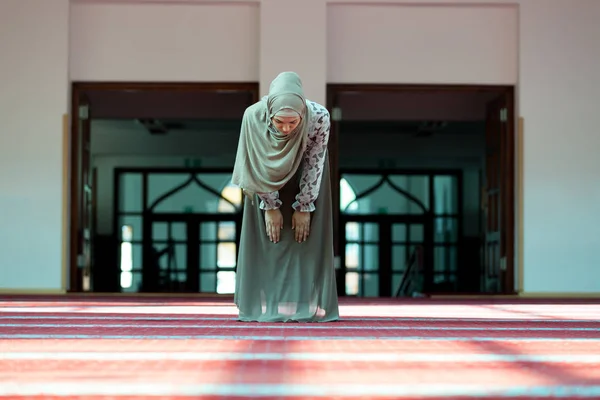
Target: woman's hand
301	225
273	224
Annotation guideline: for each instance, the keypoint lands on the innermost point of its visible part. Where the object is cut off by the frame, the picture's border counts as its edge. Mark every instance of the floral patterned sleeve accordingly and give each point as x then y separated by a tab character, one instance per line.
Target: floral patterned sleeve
269	201
314	159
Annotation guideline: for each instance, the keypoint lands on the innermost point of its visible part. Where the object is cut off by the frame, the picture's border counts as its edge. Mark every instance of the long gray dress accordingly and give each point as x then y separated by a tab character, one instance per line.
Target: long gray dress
288	281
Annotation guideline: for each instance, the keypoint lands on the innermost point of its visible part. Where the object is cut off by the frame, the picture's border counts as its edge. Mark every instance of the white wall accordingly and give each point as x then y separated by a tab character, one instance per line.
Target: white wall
34	55
559	97
421	43
197	41
557	94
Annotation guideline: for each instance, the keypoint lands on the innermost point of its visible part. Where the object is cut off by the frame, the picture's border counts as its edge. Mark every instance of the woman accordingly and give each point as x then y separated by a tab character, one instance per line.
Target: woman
285	266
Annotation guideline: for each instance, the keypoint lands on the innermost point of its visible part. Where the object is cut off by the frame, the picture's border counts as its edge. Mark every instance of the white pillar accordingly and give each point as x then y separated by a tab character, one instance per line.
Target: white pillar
559	95
293	37
34	47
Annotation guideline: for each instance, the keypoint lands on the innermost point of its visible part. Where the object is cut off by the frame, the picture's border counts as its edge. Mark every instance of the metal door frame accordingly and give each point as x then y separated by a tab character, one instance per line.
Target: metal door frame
385	270
193	223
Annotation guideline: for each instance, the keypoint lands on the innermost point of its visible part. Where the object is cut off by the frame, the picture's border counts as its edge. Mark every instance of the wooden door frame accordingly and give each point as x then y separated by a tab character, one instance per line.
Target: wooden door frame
333	90
80	87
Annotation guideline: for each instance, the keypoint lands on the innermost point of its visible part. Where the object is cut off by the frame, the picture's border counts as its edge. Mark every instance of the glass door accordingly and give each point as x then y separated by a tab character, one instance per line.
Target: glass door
400	233
381	253
217	256
360	257
407	245
166	269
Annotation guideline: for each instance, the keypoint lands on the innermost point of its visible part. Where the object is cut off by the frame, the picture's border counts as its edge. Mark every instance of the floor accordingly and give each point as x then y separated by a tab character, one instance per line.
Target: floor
125	348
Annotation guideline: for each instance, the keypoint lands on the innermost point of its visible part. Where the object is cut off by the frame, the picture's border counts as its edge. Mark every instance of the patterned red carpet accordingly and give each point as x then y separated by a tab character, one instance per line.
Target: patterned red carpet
125	348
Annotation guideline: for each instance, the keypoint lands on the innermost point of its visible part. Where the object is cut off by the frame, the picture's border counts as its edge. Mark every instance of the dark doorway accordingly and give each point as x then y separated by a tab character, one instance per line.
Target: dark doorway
461	135
158	110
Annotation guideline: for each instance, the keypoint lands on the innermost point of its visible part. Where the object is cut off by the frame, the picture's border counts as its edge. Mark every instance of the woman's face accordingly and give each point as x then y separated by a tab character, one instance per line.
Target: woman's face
285	125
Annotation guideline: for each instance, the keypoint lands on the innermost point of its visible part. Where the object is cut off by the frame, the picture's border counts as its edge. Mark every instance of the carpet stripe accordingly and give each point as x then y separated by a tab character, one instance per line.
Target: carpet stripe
343	319
298	338
303	326
343	357
272	390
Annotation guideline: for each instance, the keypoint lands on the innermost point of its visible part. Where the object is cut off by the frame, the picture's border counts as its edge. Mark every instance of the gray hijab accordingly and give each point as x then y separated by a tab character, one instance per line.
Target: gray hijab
267	159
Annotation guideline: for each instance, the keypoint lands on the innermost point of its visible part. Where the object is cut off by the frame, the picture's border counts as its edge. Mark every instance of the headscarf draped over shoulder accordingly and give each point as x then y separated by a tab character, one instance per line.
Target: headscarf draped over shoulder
267	159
